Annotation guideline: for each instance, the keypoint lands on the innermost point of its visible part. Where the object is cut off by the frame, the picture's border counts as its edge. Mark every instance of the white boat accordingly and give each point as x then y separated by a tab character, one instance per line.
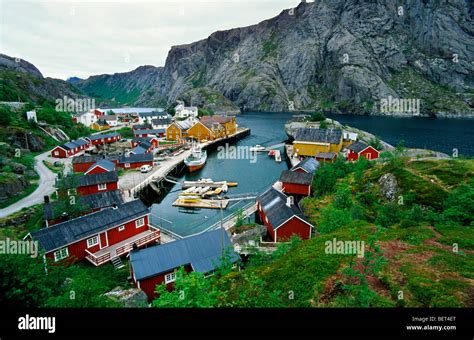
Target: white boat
197	159
257	148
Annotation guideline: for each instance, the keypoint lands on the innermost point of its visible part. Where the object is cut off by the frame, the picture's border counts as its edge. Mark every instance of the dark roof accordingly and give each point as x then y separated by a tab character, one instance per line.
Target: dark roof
86	180
153	114
89	203
296	177
103	163
161	121
326	155
74	144
310	165
92	158
146	157
357	146
332	136
149	131
65	233
138	150
105	135
217	119
274	206
141	126
203	252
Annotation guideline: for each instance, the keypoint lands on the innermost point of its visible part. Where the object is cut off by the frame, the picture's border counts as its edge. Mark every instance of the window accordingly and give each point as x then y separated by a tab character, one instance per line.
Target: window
56	153
171	277
60	254
140	222
102	186
71	192
122	228
93	241
127	165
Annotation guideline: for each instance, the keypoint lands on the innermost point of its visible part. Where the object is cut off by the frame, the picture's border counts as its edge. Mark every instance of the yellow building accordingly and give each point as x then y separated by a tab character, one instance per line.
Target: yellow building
200	132
310	142
178	130
100	125
228	123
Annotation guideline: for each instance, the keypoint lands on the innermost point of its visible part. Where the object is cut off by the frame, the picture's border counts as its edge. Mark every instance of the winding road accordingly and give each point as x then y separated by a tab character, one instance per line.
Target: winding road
46	187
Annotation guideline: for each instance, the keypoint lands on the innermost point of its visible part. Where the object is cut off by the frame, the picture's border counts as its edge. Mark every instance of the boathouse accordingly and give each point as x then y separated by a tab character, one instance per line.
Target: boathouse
282	217
70	149
296	183
105	138
308	165
310	142
99	237
201	253
358	149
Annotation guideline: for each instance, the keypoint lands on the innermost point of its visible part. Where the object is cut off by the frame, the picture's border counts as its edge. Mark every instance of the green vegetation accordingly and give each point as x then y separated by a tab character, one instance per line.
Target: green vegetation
270	47
126	132
205	112
318	117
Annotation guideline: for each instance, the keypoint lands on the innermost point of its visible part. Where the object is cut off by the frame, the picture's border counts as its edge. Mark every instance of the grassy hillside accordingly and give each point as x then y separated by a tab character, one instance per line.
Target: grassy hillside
419	246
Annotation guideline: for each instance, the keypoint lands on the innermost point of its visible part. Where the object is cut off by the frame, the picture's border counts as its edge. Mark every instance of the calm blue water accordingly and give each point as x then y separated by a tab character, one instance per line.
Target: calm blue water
268	129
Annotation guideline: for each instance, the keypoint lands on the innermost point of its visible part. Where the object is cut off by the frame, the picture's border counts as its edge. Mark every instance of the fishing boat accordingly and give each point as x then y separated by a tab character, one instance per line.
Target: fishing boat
257	148
197	159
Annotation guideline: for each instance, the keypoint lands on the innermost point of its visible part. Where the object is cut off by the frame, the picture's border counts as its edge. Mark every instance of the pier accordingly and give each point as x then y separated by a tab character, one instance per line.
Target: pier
132	190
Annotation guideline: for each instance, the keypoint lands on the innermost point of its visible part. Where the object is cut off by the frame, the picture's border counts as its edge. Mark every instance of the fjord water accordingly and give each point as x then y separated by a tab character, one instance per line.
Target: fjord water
268	129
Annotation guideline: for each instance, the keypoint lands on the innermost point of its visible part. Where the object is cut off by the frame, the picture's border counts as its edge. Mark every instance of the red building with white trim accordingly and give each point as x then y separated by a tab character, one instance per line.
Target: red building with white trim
88	184
99	237
358	149
296	183
70	149
282	218
105	138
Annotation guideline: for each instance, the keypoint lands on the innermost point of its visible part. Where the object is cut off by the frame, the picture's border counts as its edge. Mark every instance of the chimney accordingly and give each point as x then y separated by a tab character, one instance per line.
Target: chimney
46	199
289	201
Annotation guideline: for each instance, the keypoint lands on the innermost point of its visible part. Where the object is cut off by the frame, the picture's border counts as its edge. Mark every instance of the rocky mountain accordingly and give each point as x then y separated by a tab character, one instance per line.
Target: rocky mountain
22	81
330	55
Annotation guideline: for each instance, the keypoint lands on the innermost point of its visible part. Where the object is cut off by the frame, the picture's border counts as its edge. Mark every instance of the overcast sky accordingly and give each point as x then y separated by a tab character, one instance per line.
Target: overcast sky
87	37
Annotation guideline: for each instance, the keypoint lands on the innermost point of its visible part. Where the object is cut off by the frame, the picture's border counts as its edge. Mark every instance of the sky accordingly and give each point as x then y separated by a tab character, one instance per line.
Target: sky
65	38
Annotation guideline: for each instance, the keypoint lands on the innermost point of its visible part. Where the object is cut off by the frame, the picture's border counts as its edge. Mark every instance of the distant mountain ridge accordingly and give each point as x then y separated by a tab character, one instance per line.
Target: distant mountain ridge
22	81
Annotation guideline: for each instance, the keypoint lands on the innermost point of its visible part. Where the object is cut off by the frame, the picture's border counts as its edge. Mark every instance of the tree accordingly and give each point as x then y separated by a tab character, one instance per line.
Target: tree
318	117
376	143
6	115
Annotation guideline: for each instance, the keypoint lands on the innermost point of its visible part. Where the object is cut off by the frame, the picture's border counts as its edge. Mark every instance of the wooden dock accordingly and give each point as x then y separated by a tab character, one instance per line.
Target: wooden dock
201	204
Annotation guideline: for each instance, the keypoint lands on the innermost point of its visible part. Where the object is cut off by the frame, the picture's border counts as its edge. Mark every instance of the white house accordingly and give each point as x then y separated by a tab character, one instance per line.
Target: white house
31	115
185	111
86	118
111	120
148	117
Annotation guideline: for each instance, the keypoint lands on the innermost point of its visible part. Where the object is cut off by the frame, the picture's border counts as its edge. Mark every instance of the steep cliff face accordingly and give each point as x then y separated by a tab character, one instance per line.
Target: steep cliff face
21	80
334	55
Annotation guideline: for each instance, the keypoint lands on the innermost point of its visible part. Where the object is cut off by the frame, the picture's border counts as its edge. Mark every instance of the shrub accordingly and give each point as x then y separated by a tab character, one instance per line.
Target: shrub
318	117
333	218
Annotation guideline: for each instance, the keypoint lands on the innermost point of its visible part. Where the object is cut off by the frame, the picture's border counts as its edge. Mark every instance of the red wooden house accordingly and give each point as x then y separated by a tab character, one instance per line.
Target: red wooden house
296	183
99	237
105	138
53	212
358	149
148	140
87	184
282	218
157	265
104	165
135	161
70	149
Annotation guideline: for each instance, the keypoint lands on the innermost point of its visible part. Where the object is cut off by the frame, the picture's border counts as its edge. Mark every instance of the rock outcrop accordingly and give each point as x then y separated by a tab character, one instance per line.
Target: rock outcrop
330	55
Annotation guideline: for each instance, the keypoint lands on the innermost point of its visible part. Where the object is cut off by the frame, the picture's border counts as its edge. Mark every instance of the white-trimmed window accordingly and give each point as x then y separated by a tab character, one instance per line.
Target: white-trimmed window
102	186
56	153
93	241
61	254
140	222
127	165
171	277
121	228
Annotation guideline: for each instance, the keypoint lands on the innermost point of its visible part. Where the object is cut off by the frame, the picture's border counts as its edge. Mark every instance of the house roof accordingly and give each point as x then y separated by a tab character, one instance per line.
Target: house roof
110	117
149	131
310	165
140	158
357	146
62	234
141	126
161	121
138	150
89	202
90	158
153	114
203	252
273	204
86	180
217	119
293	177
104	164
332	136
185	124
326	155
105	135
74	144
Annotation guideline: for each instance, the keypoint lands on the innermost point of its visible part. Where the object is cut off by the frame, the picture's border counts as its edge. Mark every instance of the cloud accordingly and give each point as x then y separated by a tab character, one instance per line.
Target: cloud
83	38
